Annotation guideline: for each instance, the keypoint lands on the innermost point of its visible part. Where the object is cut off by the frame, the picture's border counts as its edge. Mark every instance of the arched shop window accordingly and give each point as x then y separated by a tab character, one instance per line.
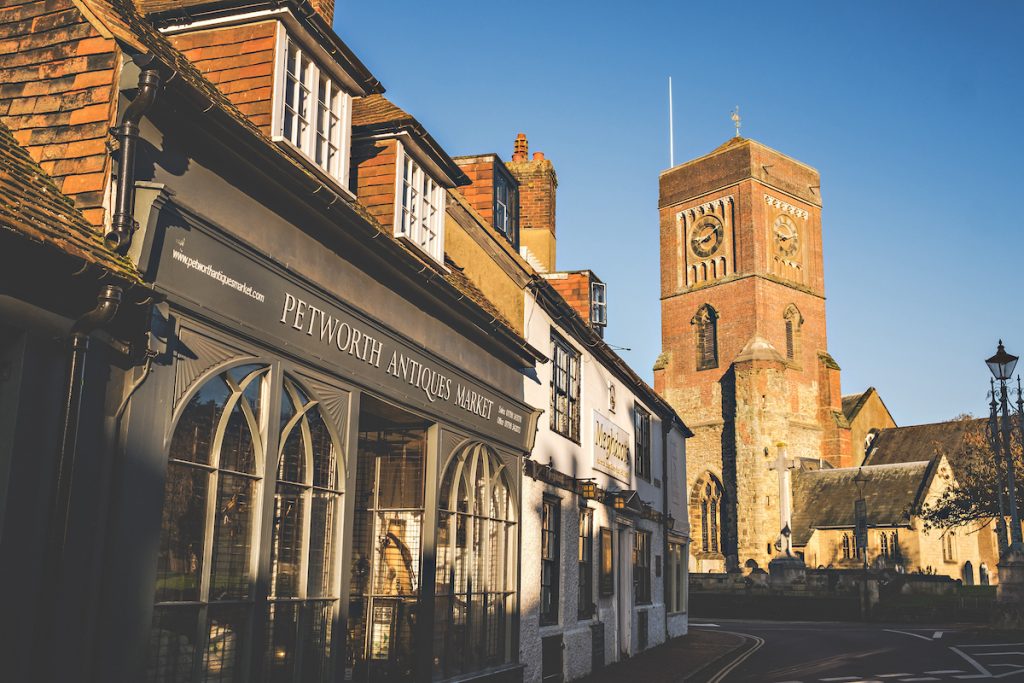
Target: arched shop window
476	568
203	619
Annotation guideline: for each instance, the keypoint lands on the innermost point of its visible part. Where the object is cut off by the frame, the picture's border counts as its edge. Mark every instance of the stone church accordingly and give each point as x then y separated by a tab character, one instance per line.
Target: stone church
745	362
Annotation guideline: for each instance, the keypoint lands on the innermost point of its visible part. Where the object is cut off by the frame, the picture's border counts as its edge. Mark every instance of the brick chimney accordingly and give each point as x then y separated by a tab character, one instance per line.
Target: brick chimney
537	186
325	8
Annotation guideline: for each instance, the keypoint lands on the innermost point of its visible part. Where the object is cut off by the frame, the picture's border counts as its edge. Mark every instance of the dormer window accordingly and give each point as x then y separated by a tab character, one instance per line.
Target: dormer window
598	305
419	210
506	209
314	115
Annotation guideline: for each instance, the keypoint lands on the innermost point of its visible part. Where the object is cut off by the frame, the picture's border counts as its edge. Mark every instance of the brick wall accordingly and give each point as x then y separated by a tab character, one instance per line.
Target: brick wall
239	60
736	411
58	77
575	289
480	192
373	177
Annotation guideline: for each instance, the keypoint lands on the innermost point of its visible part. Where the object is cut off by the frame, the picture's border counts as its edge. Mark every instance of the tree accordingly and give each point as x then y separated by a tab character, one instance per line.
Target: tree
973	490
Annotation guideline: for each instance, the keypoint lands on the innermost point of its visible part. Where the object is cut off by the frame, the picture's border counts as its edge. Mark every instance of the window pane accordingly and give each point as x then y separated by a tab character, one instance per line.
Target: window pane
321	541
172	644
286	551
180	563
232	538
227	630
194	433
282	636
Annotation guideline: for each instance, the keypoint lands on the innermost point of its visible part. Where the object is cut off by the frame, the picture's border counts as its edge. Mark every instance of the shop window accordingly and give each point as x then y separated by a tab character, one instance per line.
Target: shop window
565	389
606	578
586	564
550	533
642	438
203	619
642	567
387	543
476	564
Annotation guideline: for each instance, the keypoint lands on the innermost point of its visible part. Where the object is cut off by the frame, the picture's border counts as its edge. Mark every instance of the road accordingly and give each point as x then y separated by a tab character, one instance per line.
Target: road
814	652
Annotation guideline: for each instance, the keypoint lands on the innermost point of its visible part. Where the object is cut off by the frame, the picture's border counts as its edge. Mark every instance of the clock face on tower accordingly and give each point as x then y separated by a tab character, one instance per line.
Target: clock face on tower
787	241
706	236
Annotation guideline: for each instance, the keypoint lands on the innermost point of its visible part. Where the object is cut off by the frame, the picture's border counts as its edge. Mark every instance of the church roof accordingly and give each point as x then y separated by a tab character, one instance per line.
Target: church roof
921	442
824	499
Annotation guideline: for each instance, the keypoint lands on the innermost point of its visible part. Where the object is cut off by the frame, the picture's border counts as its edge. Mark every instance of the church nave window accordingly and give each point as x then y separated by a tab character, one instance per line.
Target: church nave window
710	516
706	327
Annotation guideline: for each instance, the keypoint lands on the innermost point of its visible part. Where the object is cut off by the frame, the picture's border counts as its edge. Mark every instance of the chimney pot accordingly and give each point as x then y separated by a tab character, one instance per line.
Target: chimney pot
538	156
521	148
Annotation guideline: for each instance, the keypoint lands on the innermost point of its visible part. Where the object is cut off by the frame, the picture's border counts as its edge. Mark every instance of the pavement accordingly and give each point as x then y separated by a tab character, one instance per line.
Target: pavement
734	651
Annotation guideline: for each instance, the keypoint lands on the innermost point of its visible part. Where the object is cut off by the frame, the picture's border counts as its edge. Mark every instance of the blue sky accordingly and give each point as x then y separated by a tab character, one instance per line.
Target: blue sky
911	111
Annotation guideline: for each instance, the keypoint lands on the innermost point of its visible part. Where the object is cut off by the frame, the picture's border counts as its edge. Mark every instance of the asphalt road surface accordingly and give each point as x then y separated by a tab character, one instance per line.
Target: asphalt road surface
814	652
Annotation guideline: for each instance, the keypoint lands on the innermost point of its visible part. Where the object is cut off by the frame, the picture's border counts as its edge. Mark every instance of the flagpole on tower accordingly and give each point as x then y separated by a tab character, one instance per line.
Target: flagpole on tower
671	132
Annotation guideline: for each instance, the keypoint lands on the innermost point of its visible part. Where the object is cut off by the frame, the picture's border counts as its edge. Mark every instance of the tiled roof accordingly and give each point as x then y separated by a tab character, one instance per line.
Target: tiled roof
376	109
852	403
376	113
825	498
123	21
921	442
32	206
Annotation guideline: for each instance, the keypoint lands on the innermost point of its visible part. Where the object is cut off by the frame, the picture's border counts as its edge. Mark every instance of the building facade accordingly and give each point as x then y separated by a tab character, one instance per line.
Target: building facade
289	437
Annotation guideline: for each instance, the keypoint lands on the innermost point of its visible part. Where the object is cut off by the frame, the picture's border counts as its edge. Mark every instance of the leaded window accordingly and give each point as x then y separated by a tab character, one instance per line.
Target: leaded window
642	567
550	534
314	114
710	505
209	554
420	210
476	564
642	439
793	322
565	389
705	324
586	564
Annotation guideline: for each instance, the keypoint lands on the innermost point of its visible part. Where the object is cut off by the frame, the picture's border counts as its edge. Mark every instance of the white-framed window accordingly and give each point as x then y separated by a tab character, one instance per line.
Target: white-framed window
598	304
312	113
506	209
419	207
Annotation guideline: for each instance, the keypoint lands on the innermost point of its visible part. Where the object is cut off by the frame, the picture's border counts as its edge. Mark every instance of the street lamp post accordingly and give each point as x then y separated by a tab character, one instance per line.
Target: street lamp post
993	440
860	534
1002	365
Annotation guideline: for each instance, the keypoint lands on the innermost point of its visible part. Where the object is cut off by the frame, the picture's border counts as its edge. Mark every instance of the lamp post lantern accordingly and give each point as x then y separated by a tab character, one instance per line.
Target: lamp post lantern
1002	365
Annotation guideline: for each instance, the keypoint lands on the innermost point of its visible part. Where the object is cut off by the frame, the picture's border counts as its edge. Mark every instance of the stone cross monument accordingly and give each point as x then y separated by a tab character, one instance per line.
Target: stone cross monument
782	465
786	568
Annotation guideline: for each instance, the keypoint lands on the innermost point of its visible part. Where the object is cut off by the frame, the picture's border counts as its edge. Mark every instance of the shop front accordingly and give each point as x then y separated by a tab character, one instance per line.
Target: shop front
332	499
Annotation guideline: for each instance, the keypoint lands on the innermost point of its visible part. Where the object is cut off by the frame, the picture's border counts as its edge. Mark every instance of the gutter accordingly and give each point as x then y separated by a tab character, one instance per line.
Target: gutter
123	224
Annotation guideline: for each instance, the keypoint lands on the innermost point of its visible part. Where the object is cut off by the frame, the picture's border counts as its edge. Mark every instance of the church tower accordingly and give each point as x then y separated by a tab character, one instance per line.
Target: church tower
744	358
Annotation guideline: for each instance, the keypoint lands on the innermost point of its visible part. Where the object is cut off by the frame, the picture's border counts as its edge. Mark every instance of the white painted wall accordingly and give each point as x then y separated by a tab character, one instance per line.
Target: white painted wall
577	460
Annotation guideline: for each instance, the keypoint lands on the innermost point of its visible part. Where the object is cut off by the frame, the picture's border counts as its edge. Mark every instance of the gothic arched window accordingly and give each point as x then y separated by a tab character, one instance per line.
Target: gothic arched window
705	324
883	539
225	462
793	321
476	568
710	506
847	548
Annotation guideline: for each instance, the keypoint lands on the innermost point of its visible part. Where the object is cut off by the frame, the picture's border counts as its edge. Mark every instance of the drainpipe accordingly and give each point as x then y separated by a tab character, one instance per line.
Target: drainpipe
123	224
666	427
108	301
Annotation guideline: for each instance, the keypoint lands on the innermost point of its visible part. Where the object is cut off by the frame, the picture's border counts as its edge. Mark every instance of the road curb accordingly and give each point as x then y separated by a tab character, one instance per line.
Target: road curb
715	670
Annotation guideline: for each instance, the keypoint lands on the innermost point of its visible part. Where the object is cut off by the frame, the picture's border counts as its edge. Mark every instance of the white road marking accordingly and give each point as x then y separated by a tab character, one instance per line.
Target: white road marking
995	654
908	633
923	678
840	678
707	625
982	671
891	675
936	635
946	671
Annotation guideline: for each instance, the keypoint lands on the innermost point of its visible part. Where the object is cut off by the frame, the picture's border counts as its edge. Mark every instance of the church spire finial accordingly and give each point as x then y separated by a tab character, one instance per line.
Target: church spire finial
736	119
